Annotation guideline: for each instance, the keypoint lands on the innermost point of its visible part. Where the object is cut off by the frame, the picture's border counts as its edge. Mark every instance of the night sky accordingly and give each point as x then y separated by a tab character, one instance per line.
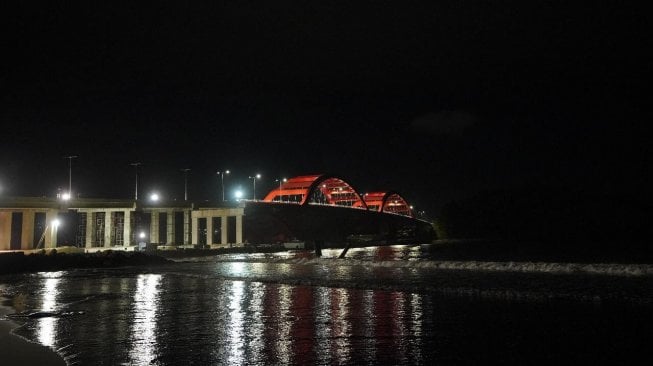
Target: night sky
436	100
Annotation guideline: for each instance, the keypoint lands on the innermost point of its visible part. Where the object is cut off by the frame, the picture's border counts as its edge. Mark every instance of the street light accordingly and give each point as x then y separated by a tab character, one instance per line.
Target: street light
185	170
281	180
221	174
154	197
254	178
238	194
135	165
70	174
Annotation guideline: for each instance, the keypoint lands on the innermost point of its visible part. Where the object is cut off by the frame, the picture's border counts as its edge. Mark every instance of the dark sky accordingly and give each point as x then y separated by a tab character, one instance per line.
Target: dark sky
436	99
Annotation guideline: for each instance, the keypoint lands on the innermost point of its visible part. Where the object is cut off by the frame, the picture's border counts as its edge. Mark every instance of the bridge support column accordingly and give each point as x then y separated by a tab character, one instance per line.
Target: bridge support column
50	239
90	227
108	228
127	229
5	230
195	229
154	227
170	230
27	234
344	251
223	230
209	230
187	227
318	247
239	229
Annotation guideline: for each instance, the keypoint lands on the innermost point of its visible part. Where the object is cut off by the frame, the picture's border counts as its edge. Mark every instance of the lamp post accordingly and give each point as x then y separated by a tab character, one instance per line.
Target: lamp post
254	178
70	173
135	165
185	170
281	180
221	174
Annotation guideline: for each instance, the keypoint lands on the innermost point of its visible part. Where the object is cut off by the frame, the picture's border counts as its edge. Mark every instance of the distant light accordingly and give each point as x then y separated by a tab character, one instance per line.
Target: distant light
411	207
141	235
56	223
154	197
238	194
258	176
65	196
227	172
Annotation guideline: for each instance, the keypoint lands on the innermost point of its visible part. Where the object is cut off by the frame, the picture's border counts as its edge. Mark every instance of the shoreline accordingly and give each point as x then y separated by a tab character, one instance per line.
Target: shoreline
17	350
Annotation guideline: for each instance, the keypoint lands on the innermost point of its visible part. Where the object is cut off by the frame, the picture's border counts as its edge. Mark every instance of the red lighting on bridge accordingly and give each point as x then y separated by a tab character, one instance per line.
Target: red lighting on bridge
390	202
324	189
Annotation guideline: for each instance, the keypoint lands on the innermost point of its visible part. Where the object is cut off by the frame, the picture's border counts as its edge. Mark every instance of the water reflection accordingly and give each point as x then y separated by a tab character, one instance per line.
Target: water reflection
283	340
256	330
340	325
235	353
46	327
145	309
323	318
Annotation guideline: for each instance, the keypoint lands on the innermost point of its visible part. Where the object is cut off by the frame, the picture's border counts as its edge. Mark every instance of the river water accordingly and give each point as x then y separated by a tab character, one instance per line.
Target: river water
381	305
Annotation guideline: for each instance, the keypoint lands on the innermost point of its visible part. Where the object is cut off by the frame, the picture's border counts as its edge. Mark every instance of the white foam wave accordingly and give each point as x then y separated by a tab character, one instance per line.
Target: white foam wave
612	269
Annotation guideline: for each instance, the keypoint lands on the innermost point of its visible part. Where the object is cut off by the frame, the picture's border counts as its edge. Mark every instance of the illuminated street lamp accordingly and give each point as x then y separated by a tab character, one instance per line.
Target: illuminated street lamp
221	174
154	197
135	165
281	180
238	194
185	170
70	174
65	196
56	223
254	178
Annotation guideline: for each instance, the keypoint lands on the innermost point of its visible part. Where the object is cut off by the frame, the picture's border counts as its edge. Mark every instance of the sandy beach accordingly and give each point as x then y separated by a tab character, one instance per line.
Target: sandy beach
15	350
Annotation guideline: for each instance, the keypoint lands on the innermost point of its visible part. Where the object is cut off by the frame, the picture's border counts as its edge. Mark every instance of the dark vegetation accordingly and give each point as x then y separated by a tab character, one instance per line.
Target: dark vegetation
550	223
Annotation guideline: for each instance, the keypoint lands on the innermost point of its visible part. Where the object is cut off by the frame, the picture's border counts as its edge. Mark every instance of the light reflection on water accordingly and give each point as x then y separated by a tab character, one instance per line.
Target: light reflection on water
284	325
324	311
236	340
46	327
144	344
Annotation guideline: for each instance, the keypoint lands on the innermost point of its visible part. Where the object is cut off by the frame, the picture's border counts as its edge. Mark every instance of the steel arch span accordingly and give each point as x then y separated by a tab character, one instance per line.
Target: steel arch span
389	202
318	189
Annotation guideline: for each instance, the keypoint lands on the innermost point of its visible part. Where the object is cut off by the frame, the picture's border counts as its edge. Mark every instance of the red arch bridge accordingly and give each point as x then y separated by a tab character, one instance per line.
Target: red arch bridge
320	209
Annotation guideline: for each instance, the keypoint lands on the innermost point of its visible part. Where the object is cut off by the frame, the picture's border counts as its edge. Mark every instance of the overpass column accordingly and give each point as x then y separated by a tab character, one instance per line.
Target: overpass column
239	229
187	227
5	230
27	234
170	230
223	230
50	239
88	241
108	228
154	227
127	229
194	229
209	230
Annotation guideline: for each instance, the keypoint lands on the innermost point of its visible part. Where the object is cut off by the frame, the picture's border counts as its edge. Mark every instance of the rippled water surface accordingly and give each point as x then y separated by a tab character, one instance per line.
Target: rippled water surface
387	305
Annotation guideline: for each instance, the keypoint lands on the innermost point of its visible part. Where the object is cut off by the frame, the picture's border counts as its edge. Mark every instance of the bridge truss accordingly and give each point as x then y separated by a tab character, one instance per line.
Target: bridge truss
322	189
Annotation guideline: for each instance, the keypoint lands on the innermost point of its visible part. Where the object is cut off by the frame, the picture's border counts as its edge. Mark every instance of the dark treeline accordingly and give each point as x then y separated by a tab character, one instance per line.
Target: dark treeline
559	218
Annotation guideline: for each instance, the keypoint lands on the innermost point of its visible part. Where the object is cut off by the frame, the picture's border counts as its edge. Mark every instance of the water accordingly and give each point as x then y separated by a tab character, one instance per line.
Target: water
389	305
